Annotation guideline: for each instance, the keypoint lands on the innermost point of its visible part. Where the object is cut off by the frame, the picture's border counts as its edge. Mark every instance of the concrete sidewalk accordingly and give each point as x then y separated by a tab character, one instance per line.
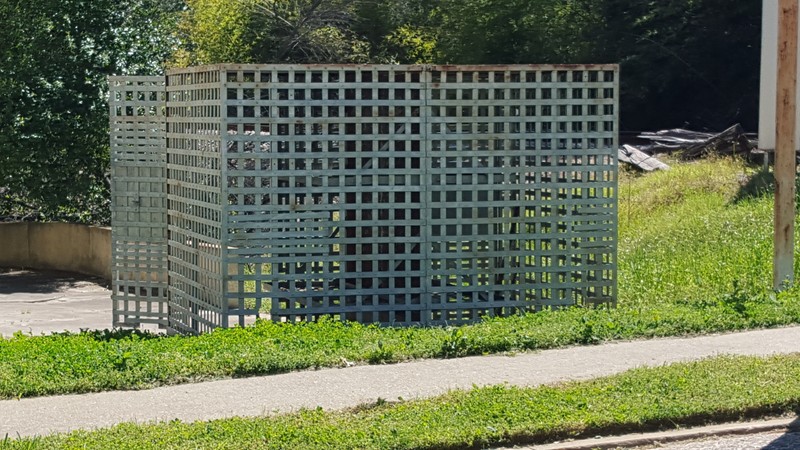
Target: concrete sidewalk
342	388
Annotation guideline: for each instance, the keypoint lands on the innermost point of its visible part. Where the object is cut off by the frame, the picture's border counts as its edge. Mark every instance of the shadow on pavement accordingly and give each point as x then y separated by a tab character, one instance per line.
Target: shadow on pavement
45	302
789	440
39	282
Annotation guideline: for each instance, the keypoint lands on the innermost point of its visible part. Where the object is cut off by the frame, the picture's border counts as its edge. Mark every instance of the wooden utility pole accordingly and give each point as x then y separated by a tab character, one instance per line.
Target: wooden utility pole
785	145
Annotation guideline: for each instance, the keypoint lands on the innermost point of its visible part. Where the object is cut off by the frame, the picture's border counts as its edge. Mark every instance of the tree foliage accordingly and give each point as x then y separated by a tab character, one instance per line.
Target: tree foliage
693	62
277	31
216	31
684	62
399	31
308	31
54	60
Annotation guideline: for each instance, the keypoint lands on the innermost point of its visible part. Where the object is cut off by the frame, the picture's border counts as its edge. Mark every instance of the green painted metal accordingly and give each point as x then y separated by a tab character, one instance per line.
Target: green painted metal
389	194
138	201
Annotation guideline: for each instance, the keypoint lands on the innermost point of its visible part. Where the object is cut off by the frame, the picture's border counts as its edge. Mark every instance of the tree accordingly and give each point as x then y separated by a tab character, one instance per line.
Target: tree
510	31
684	62
53	117
274	31
308	31
400	31
216	31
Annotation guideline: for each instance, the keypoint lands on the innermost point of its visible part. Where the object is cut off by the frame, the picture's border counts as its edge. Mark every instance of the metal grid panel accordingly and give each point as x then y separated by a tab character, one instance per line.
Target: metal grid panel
325	210
391	194
195	201
138	206
521	188
495	193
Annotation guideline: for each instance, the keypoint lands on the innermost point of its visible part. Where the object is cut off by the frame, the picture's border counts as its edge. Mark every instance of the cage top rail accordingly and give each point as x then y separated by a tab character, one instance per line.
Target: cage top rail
402	67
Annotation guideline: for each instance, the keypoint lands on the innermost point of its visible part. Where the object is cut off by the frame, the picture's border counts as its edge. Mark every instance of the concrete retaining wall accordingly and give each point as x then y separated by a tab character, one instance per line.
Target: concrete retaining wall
56	246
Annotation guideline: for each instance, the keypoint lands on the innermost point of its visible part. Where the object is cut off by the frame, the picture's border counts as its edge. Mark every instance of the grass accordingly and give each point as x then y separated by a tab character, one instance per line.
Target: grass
694	236
694	257
719	389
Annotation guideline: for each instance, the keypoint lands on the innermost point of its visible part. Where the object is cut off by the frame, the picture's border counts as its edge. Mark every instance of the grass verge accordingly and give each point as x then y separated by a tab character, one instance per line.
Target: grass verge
694	257
720	389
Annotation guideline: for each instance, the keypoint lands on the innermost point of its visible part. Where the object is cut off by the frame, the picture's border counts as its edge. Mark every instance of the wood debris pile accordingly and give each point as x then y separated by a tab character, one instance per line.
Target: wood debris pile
695	144
687	144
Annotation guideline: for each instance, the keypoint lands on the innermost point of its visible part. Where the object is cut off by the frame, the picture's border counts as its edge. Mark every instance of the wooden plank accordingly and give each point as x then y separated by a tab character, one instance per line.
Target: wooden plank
632	155
785	158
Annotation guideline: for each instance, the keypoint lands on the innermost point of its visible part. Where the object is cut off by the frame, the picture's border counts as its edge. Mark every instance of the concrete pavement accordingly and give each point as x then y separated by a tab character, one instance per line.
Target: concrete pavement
50	302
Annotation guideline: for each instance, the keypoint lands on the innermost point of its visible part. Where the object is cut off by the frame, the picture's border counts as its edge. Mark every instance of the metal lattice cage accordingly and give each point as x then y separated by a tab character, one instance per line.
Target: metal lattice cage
388	194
